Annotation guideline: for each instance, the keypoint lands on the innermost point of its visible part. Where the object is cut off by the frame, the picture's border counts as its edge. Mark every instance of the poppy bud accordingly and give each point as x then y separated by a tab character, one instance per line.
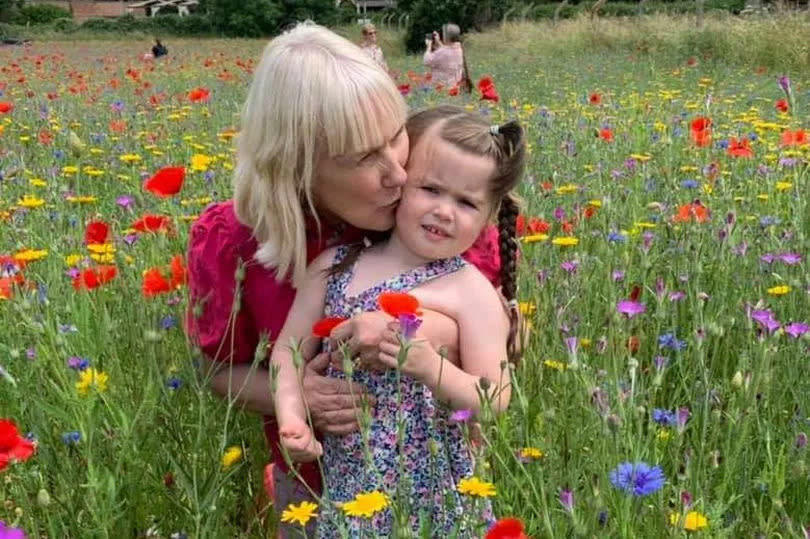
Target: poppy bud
43	498
737	379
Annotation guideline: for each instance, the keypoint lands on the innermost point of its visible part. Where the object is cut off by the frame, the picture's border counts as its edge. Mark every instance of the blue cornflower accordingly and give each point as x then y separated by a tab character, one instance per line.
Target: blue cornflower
174	383
617	237
723	144
168	322
669	340
663	417
689	184
72	438
638	479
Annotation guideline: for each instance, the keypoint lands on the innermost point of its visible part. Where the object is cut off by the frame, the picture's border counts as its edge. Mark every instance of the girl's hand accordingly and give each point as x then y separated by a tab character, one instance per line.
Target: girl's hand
297	438
421	354
362	335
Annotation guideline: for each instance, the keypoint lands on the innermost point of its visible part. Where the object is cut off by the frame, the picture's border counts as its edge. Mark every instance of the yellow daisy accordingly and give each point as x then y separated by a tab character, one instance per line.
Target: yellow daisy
472	486
366	504
299	514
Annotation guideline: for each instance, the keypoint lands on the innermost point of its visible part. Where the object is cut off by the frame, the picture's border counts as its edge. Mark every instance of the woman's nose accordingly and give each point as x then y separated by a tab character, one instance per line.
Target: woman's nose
394	175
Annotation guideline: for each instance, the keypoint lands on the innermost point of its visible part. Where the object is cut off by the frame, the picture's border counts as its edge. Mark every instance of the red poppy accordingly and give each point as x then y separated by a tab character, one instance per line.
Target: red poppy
118	126
154	283
702	138
739	148
693	211
701	123
45	137
166	182
179	272
323	327
782	105
535	225
398	303
691	61
152	223
606	134
94	277
487	88
199	95
507	528
13	447
7	284
6	107
794	138
453	91
404	89
595	98
96	232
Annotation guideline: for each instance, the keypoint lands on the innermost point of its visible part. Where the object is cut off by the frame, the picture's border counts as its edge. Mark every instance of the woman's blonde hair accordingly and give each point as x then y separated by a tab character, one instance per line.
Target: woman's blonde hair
368	28
314	95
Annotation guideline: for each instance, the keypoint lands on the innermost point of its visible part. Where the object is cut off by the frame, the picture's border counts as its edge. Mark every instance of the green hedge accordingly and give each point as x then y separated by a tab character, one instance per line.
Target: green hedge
38	14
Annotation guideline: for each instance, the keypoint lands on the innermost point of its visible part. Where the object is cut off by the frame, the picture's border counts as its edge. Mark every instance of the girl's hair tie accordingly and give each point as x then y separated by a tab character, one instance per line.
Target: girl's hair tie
493	130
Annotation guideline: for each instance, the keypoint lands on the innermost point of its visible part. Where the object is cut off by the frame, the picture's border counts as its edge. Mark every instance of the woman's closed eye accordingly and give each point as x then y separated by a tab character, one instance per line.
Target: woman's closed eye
431	189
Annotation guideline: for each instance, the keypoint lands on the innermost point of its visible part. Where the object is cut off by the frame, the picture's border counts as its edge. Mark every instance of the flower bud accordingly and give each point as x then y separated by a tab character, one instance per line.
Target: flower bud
43	498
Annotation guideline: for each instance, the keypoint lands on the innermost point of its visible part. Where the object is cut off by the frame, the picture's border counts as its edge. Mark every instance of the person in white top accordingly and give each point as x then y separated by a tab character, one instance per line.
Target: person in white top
370	46
445	57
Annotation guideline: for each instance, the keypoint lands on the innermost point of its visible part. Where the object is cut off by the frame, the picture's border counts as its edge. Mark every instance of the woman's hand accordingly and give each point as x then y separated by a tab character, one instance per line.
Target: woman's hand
298	440
332	402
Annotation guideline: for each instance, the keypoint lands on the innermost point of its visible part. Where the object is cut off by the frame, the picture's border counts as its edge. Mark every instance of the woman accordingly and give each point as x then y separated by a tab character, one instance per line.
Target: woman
320	159
445	58
370	46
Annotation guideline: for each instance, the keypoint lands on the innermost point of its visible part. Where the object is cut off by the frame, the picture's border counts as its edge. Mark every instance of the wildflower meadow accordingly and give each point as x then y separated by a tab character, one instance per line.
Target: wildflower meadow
664	285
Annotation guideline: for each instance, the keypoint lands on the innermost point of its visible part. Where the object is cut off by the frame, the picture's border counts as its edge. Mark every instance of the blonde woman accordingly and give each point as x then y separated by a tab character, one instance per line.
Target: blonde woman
320	159
370	46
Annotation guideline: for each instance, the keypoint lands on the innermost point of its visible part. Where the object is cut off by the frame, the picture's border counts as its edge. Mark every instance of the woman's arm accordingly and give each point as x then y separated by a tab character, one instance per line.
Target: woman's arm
483	330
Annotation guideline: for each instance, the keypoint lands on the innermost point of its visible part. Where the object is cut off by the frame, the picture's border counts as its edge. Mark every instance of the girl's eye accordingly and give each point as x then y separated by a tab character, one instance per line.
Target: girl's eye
469	204
430	189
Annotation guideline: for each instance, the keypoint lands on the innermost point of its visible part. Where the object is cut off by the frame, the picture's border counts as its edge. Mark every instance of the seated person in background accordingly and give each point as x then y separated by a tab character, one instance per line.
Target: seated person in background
159	49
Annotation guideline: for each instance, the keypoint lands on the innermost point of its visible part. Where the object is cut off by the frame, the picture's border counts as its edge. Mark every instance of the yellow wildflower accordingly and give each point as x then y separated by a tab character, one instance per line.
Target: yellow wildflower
534	238
29	201
595	203
472	486
200	162
565	241
762	196
82	199
527	307
38	182
366	504
72	260
783	186
231	456
556	365
693	521
531	453
130	158
567	189
663	435
300	514
780	290
89	378
101	248
70	169
30	255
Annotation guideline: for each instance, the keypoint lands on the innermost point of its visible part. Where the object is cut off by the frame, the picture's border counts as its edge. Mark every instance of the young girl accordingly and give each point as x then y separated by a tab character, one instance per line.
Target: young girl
460	174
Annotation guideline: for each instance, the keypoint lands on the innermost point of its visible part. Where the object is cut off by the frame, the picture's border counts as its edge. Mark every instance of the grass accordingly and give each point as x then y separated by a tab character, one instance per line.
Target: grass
150	446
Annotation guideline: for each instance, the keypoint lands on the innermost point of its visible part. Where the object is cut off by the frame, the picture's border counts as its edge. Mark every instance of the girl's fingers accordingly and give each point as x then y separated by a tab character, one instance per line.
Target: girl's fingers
389	348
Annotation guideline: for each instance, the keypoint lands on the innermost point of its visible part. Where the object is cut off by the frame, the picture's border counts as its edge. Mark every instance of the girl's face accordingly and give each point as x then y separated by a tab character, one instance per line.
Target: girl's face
363	189
370	36
446	203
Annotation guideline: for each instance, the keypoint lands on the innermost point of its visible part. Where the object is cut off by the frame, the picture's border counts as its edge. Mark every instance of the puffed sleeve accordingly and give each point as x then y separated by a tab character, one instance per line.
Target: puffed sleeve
213	257
485	255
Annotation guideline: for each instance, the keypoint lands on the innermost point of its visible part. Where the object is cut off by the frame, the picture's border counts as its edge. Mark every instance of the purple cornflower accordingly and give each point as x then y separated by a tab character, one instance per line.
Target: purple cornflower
677	295
796	329
125	201
768	258
567	499
572	343
618	276
646	241
790	258
78	363
409	323
638	479
630	308
784	84
665	418
681	417
686	498
461	416
67	328
764	317
7	532
130	239
801	440
570	266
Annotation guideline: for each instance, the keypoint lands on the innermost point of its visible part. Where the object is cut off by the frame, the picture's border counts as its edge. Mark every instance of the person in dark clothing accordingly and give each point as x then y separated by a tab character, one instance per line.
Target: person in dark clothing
159	49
